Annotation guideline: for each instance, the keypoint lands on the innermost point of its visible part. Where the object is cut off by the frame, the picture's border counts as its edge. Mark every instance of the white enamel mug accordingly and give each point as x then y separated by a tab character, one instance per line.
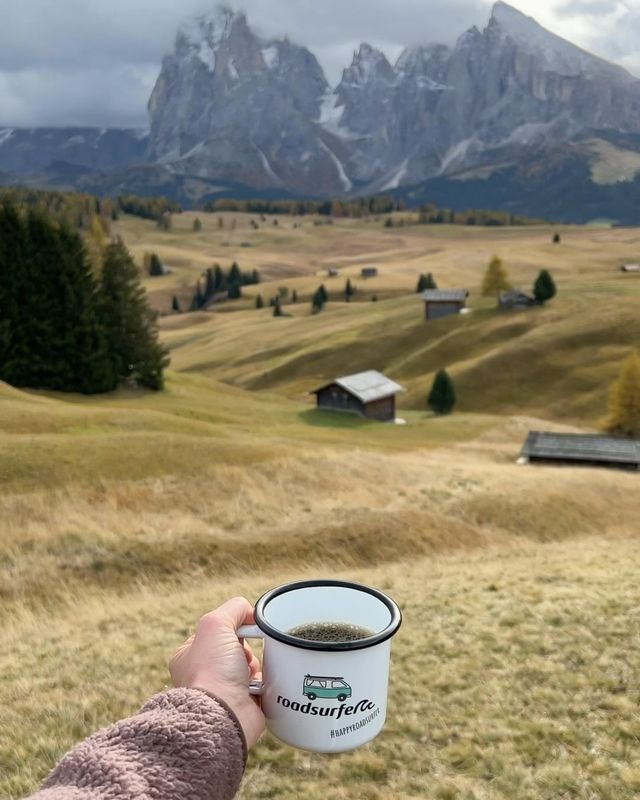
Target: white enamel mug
326	697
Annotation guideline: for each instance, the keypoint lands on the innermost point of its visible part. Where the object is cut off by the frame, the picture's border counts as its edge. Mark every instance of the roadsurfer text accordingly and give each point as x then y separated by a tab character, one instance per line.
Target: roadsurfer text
319	711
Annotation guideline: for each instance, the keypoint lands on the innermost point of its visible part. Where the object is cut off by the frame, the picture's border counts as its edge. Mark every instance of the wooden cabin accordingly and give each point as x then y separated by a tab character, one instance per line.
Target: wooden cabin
369	272
444	302
586	450
515	300
369	394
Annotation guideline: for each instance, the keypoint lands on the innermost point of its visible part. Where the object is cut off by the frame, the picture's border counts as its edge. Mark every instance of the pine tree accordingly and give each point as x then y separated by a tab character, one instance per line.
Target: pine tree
277	308
209	285
255	277
349	291
259	301
495	278
422	284
318	301
175	305
198	301
51	331
324	294
544	288
130	322
556	238
234	281
431	283
442	397
197	225
155	266
624	403
220	280
294	296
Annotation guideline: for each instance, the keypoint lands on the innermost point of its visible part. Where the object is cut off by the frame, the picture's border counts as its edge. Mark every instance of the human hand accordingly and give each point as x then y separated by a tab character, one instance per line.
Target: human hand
215	659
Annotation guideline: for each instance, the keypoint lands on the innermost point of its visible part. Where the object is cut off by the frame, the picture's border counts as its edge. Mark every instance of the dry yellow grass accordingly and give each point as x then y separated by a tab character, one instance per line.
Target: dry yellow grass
514	675
122	518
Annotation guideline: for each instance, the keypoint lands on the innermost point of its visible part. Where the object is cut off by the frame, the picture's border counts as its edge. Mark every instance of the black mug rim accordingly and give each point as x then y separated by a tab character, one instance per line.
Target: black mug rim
359	644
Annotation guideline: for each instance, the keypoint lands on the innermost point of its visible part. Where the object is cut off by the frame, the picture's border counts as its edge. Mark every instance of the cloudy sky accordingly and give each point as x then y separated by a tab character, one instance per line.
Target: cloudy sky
90	62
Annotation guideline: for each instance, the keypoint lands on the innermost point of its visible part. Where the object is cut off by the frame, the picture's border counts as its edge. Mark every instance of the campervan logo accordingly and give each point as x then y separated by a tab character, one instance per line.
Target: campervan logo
326	687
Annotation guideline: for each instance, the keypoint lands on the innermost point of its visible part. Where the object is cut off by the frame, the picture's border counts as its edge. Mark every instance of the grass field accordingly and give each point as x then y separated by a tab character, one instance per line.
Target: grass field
123	518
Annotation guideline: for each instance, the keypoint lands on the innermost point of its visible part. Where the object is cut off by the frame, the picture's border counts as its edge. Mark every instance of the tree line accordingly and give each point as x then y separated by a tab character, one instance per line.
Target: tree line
360	207
216	282
64	325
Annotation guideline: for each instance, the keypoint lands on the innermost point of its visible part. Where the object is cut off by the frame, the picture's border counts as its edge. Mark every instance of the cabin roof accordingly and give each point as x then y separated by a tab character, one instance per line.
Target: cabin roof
366	386
581	447
445	295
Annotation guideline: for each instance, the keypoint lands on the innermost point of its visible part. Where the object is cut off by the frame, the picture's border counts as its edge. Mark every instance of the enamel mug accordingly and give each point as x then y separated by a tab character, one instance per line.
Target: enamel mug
326	697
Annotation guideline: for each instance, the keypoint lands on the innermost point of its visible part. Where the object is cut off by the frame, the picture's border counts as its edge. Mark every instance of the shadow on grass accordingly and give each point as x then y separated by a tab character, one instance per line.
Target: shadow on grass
334	419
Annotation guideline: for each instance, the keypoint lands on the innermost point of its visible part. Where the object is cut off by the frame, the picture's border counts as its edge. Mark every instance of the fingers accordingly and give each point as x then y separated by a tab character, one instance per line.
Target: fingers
252	661
231	615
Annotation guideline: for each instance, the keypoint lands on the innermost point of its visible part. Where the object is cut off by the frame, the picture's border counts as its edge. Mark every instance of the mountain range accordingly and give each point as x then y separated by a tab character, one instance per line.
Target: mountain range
510	117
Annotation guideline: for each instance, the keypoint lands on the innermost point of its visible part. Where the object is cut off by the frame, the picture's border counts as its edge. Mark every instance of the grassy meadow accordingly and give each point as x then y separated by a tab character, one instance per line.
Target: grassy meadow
125	517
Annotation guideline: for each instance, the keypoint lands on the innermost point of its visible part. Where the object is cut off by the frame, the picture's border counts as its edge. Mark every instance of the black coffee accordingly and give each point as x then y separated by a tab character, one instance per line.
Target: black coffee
330	632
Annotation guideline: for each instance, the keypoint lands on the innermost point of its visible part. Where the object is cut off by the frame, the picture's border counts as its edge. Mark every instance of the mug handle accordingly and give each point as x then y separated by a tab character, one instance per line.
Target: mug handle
256	688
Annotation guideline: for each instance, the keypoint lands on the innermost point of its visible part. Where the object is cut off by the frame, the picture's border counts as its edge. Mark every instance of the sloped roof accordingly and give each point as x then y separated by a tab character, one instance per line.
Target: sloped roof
366	386
581	447
445	295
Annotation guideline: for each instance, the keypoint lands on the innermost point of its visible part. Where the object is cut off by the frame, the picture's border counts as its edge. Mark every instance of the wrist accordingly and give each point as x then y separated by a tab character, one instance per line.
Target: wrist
241	706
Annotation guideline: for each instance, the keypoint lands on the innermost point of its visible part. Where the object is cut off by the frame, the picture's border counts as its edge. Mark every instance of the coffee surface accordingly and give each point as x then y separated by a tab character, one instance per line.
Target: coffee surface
330	632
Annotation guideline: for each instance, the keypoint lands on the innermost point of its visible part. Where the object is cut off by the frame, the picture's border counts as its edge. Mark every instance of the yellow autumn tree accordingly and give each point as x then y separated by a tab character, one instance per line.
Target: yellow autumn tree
495	278
624	403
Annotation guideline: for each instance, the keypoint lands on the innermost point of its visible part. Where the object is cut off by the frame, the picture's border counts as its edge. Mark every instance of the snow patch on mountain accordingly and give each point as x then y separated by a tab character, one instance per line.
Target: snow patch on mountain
399	176
271	56
6	134
330	118
344	178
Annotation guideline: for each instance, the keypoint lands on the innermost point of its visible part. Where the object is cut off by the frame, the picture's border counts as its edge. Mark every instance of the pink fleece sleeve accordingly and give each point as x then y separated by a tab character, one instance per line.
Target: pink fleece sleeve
182	745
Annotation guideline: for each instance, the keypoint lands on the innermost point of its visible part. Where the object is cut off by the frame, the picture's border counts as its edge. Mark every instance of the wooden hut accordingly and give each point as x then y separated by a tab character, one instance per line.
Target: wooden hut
444	302
369	272
586	450
369	394
515	300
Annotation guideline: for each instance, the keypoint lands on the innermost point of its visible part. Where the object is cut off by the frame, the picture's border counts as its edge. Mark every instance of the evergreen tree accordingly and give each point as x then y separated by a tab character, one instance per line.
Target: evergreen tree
324	294
495	278
234	282
220	280
277	308
422	284
209	285
197	225
556	238
155	266
259	301
175	305
130	322
544	288
442	397
318	300
199	300
255	277
624	402
349	291
431	283
51	330
294	296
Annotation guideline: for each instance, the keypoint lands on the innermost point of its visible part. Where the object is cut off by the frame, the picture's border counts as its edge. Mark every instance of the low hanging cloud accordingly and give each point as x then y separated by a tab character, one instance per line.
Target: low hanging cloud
87	63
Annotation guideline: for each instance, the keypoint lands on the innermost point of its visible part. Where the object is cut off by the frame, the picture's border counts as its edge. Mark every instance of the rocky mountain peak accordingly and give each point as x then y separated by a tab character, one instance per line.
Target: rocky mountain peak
368	65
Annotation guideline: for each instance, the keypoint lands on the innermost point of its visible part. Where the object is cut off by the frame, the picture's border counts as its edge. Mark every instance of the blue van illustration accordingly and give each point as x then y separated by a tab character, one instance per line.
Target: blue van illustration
326	687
